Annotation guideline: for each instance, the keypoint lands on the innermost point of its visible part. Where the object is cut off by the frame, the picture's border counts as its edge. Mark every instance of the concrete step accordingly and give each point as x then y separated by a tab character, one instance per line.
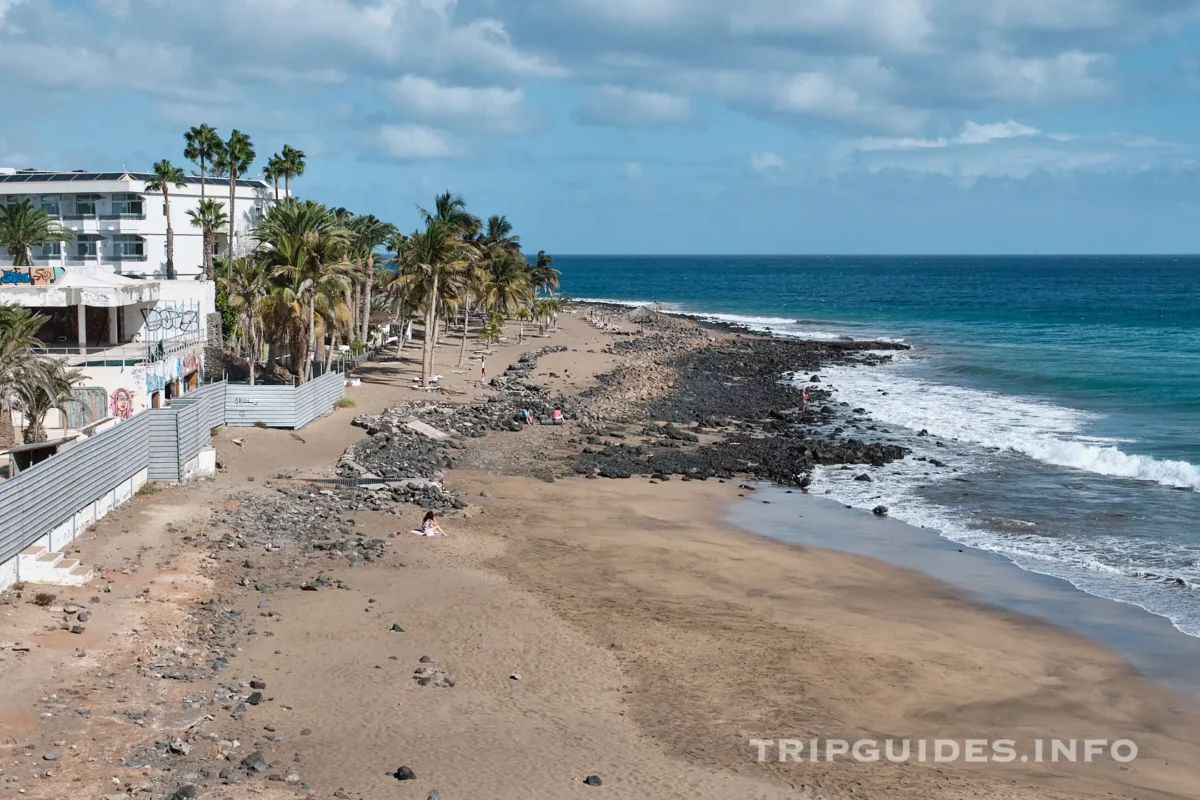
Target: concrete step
36	565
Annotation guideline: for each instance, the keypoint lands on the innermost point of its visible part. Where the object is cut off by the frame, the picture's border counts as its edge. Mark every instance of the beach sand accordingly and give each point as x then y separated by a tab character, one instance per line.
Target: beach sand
652	639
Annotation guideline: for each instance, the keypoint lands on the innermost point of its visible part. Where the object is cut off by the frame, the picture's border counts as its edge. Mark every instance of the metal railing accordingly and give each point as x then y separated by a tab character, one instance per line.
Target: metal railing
129	216
123	354
127	257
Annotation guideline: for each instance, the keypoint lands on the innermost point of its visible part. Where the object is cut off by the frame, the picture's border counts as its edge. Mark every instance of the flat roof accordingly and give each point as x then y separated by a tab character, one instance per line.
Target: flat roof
86	177
25	448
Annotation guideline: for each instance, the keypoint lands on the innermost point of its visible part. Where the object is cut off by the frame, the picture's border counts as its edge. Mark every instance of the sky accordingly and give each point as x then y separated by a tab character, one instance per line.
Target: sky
655	126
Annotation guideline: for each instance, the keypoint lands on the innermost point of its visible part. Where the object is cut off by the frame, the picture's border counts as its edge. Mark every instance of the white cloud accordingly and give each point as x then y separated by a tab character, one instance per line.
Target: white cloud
1006	150
625	107
491	107
409	142
767	161
5	7
974	133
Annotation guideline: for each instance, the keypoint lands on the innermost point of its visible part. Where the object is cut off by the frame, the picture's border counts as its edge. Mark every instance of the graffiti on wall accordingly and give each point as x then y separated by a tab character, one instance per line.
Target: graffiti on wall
159	374
191	363
30	276
122	403
170	319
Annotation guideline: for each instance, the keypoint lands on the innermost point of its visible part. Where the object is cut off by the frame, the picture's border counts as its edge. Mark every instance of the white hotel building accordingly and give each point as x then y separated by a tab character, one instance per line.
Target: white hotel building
113	313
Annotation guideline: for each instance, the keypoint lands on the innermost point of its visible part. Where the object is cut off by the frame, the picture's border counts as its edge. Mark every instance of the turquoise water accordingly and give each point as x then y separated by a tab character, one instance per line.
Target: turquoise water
1064	391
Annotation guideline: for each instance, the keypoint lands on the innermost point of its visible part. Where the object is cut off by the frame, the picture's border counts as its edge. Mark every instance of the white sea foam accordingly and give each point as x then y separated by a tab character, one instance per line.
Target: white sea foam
977	429
1039	430
777	326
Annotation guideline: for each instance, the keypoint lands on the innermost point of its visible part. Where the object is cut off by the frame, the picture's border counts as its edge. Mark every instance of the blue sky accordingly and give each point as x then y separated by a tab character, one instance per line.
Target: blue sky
655	126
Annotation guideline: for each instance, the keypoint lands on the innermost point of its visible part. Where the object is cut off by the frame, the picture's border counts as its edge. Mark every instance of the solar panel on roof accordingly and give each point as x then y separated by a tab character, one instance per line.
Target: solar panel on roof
59	178
108	176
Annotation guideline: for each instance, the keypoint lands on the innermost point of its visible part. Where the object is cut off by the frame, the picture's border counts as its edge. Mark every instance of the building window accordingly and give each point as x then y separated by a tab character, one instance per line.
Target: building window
127	247
50	204
51	250
85	205
127	205
86	248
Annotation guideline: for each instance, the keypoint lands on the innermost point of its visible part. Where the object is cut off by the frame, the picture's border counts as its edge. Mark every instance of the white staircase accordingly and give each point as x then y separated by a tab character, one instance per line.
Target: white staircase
37	565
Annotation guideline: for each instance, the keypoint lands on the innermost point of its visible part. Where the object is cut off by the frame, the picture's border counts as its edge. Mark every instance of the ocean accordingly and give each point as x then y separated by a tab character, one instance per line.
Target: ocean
1061	394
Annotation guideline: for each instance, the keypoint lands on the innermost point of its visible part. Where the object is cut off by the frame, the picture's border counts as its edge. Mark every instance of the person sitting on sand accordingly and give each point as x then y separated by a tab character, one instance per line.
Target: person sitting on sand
557	417
429	526
525	417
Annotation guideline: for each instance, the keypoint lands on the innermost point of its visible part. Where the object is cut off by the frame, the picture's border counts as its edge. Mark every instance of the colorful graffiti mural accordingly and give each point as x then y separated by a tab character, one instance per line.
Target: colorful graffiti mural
191	363
30	276
122	403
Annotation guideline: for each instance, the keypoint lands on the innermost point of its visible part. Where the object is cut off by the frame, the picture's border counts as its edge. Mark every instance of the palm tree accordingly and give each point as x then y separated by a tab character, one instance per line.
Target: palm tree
203	146
544	309
247	283
452	210
474	284
273	171
499	235
208	216
23	363
291	166
167	175
36	399
370	233
544	276
522	316
235	159
509	288
23	227
433	258
306	245
491	332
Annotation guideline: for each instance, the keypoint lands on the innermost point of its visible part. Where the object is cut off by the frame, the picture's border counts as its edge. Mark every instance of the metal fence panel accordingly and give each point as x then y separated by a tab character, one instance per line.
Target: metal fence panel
282	406
40	499
163	453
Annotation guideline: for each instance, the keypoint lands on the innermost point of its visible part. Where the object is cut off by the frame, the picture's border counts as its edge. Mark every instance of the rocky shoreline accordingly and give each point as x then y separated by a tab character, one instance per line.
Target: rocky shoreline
682	402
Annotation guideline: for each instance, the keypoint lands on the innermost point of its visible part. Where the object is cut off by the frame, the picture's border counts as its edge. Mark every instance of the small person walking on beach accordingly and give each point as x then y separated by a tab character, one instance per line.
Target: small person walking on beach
803	400
429	526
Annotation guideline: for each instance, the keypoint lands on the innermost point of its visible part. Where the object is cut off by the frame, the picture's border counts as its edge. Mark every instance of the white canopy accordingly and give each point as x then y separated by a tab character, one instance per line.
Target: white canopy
83	287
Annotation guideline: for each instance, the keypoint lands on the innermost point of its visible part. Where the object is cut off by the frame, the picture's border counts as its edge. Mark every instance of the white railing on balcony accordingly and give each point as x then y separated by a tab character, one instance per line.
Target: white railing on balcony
124	354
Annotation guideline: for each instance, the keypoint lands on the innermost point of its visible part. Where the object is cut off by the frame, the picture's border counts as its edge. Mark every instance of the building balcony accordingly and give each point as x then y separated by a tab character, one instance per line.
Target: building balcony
74	216
122	257
122	216
117	355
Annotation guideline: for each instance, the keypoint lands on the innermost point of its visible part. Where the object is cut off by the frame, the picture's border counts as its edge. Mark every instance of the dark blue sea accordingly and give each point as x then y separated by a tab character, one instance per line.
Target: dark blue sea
1065	392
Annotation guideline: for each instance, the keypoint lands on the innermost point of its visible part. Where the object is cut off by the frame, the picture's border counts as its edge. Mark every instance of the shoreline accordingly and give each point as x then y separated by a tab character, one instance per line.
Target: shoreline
652	639
1155	647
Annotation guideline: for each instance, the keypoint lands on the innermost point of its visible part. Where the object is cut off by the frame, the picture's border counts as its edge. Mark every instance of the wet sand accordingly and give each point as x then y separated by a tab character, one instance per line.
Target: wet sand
653	640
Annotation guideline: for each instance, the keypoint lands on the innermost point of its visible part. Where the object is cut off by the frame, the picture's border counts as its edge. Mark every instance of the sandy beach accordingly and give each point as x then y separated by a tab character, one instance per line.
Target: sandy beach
618	628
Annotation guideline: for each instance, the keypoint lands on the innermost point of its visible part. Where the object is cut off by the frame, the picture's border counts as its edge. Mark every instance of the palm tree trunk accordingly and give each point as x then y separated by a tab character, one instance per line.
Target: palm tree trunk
312	336
287	184
430	331
370	284
201	179
462	346
170	236
520	331
232	216
329	353
8	433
